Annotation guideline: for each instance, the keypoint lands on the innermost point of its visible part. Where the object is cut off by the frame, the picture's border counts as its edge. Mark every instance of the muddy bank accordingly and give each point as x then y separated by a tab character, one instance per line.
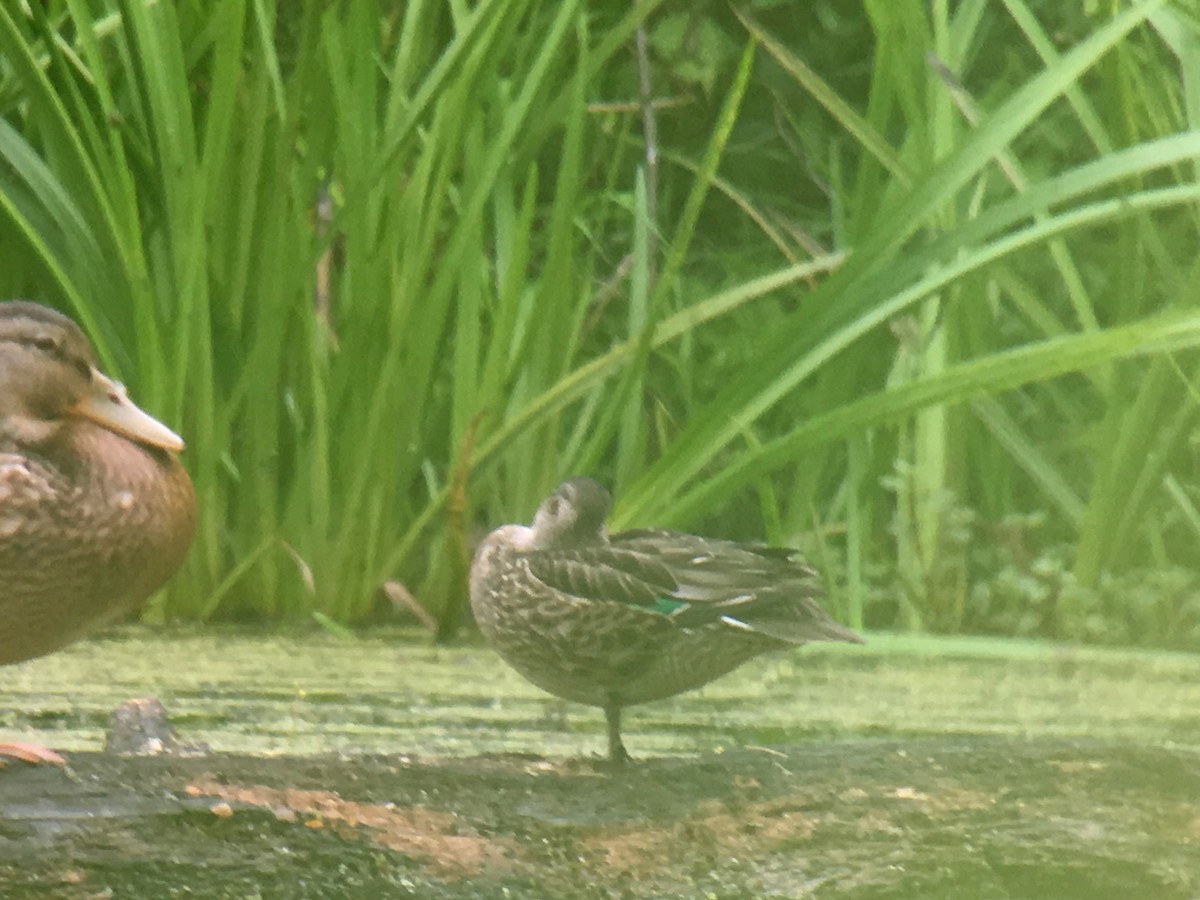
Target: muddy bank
383	767
968	816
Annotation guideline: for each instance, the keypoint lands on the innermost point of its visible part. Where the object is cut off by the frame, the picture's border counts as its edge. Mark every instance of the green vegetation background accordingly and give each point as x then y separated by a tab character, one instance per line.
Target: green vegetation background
911	285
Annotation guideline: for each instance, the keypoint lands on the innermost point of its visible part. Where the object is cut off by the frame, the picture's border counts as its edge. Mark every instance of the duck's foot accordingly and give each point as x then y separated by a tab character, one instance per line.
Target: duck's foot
33	754
618	756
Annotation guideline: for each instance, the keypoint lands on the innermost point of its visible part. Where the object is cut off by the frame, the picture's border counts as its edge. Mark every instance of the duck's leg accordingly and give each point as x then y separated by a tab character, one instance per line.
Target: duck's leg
617	754
30	753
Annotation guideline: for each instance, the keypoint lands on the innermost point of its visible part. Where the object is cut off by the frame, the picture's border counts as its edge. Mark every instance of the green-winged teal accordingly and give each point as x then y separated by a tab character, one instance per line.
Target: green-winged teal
96	512
615	620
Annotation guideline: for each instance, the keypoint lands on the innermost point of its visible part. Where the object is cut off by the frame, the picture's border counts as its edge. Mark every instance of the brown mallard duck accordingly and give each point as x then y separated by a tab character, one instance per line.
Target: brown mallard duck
615	620
96	513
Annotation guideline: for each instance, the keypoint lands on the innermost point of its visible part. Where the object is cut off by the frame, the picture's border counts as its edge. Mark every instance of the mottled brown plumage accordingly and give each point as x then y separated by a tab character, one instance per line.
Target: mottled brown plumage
613	621
96	512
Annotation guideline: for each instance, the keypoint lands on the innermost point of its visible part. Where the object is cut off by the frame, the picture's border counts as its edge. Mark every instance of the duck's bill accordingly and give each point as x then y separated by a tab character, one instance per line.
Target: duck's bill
107	404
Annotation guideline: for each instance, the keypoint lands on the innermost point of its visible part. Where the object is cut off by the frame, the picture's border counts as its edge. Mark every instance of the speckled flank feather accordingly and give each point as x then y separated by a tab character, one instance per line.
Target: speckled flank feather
618	620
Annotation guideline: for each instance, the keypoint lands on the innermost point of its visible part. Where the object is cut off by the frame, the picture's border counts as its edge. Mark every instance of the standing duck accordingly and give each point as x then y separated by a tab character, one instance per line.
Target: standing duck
615	620
96	513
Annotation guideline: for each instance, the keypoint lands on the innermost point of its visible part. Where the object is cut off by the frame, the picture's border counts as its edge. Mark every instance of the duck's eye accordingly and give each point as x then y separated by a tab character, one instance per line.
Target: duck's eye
47	344
53	347
553	505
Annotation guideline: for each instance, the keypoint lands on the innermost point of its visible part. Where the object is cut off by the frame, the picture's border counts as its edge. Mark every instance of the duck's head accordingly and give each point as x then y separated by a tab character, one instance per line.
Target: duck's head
572	515
49	381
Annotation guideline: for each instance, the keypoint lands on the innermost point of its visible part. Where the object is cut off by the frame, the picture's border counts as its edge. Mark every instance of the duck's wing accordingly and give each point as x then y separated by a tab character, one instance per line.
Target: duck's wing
604	573
752	587
713	570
